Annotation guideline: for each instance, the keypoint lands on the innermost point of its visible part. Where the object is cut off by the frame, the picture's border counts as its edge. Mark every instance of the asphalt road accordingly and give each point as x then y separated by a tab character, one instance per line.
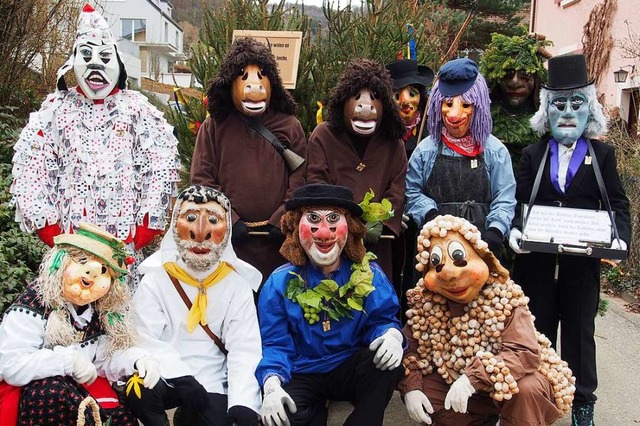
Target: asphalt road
618	351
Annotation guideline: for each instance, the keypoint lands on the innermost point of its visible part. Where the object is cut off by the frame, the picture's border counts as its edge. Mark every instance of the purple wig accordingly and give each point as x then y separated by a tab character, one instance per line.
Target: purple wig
481	123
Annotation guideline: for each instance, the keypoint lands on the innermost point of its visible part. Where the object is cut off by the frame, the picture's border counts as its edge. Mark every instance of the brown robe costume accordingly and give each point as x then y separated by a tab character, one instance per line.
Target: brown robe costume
233	158
333	159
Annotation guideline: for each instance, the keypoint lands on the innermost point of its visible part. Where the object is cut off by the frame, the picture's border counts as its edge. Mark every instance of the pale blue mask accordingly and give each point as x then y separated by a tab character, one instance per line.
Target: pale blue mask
568	116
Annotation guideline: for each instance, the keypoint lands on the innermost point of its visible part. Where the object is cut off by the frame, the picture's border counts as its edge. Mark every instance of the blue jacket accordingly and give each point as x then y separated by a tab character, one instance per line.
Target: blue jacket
291	345
501	180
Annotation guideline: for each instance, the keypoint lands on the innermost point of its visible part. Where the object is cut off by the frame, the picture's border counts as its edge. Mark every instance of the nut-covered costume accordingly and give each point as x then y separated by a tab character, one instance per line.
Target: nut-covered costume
339	155
106	158
233	158
486	334
49	338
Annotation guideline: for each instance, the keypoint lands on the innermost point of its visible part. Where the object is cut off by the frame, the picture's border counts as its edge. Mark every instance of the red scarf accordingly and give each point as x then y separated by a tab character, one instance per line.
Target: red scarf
411	127
464	146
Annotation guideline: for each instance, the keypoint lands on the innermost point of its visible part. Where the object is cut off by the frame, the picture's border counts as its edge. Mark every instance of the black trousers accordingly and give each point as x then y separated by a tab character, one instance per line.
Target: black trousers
150	408
572	301
356	380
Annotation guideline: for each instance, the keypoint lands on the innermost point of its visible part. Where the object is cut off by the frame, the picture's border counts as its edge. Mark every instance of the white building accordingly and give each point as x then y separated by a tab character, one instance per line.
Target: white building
148	24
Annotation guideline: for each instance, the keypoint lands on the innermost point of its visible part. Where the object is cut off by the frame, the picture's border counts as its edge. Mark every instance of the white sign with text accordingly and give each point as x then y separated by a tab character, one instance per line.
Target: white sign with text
564	225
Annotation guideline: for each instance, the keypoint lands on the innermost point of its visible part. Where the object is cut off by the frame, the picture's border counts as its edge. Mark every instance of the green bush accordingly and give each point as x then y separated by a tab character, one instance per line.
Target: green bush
20	253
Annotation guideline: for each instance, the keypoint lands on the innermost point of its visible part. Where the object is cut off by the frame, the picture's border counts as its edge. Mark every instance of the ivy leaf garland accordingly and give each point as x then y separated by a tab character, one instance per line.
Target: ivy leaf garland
373	212
336	301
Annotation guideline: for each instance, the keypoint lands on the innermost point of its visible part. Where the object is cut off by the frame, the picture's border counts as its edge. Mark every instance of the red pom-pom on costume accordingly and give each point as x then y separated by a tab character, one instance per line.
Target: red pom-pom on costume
47	233
130	260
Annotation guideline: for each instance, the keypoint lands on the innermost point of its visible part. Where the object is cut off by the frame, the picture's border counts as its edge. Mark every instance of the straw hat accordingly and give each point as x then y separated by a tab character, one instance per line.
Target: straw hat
97	241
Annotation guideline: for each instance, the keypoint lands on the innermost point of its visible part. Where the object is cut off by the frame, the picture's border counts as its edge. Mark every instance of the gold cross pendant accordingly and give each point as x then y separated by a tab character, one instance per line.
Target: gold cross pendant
326	325
361	167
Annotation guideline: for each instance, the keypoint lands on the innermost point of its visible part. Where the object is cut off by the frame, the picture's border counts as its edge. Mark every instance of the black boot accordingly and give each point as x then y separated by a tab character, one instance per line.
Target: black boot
582	415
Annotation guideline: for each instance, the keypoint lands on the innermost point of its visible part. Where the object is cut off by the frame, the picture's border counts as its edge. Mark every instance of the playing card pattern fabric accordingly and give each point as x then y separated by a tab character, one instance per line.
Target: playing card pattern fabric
107	162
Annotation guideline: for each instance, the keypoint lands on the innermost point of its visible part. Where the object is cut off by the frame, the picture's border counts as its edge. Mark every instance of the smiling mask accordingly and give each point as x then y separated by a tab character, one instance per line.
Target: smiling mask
323	235
454	260
362	113
251	91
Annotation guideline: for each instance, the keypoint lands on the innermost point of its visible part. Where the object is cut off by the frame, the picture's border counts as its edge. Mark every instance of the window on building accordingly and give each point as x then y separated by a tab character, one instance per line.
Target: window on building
166	32
177	40
134	29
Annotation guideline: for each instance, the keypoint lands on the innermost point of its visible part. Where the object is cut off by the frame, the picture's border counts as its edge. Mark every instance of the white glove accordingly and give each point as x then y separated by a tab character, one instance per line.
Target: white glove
149	369
84	372
459	394
618	245
405	221
515	237
388	349
418	406
275	398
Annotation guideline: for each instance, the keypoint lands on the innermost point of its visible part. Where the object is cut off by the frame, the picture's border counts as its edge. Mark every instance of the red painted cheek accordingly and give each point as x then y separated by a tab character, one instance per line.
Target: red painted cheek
305	232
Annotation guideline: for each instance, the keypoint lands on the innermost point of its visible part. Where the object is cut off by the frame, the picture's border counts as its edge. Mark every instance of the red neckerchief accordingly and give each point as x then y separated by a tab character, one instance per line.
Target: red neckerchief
411	128
464	146
98	101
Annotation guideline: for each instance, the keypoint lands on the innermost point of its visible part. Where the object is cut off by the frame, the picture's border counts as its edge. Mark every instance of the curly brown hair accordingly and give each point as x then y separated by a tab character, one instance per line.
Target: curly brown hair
292	249
358	74
243	52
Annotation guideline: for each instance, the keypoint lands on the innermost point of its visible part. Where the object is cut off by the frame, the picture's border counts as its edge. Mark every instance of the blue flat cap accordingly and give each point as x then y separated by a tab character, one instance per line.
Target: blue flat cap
457	76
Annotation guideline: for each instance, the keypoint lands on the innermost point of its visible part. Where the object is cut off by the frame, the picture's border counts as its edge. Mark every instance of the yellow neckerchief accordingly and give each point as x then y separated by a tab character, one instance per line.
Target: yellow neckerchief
198	311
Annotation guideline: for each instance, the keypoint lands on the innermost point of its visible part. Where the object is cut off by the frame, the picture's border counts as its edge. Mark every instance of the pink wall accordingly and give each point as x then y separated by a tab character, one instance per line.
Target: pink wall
563	25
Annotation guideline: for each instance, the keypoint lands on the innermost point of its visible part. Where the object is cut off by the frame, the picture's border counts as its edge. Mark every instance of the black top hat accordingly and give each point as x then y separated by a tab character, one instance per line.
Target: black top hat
321	194
567	72
407	71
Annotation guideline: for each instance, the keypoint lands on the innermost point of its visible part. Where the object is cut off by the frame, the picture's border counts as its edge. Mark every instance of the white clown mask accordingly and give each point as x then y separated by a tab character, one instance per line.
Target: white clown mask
97	69
95	61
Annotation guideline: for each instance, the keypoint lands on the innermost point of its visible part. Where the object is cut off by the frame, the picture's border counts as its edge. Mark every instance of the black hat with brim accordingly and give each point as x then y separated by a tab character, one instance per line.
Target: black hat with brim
321	194
568	72
405	72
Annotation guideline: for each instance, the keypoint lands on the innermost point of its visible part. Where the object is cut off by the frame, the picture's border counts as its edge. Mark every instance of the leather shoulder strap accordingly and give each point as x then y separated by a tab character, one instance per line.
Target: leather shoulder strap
205	327
266	133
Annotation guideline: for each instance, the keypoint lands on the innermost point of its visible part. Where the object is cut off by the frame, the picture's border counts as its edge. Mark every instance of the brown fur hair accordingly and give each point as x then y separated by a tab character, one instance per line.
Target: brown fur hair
359	74
243	52
292	249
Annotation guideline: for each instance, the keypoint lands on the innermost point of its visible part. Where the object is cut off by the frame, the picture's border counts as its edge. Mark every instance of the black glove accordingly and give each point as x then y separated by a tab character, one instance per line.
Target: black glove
241	416
373	234
275	235
494	238
431	214
239	232
193	395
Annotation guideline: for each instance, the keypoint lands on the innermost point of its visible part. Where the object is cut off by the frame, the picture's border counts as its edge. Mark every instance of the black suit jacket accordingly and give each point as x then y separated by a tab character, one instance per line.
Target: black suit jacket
583	192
